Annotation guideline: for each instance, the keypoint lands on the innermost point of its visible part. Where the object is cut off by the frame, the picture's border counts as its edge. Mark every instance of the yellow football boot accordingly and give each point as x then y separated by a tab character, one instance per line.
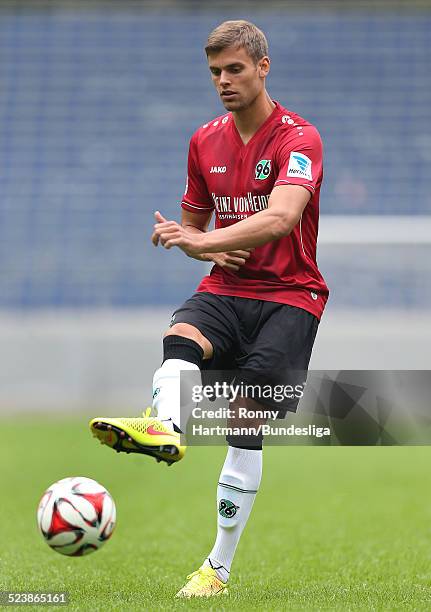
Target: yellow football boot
203	583
146	435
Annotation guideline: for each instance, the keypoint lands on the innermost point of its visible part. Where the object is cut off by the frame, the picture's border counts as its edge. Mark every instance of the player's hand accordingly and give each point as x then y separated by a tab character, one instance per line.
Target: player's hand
161	221
171	233
232	260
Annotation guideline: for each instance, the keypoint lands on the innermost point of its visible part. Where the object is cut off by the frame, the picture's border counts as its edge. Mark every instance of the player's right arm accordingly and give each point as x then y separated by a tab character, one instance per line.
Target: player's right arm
197	208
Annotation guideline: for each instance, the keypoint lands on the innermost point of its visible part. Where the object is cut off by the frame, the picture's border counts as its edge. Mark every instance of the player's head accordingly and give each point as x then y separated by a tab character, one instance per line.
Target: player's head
237	53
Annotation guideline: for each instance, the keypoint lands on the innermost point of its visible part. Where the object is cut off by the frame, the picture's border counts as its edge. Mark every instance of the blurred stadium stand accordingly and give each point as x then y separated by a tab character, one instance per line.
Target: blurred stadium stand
96	109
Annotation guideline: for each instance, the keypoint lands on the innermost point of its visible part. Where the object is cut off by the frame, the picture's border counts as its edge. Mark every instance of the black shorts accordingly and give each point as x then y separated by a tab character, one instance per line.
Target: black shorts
264	342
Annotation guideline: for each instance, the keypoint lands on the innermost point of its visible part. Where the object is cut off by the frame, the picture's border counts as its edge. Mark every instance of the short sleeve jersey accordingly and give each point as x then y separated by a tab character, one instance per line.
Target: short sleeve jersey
235	181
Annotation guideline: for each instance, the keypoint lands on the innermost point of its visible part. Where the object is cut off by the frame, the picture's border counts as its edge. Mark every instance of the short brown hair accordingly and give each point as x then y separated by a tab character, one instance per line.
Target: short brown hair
238	34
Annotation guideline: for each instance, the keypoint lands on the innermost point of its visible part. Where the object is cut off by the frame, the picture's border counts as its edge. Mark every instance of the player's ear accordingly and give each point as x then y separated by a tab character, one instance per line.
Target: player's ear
264	66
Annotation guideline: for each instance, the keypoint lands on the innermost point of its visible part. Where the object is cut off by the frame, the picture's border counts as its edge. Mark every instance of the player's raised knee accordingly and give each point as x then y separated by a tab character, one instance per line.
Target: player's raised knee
184	329
192	333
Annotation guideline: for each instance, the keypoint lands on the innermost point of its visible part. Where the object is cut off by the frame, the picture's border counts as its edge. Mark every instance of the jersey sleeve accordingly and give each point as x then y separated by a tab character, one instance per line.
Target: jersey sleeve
196	198
300	159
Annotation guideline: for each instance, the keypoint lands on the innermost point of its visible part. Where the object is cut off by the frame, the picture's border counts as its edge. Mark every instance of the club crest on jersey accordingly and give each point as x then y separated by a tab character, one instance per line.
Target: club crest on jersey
300	166
218	169
262	170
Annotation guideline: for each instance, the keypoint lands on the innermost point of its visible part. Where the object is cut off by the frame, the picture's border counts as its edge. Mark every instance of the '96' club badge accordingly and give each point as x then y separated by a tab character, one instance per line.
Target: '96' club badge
263	169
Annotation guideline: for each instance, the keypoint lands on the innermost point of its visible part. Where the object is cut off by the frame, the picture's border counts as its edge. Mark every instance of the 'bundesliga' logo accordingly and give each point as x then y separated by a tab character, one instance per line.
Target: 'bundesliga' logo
299	165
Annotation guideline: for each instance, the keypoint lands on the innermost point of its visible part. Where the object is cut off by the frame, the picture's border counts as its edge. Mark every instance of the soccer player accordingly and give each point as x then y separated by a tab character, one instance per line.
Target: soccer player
258	168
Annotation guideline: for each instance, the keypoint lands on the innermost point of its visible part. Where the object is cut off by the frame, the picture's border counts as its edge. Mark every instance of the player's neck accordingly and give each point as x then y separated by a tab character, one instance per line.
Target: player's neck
248	121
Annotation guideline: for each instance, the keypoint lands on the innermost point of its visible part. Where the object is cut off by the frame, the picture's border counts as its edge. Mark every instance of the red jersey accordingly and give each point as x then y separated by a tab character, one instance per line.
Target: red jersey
236	180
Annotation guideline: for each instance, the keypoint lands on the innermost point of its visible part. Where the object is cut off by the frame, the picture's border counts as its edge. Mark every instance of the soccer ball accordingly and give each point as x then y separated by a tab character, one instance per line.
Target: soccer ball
76	516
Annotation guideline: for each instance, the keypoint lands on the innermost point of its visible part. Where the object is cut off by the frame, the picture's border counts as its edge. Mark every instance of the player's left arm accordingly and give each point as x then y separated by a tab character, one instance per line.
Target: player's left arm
299	159
285	207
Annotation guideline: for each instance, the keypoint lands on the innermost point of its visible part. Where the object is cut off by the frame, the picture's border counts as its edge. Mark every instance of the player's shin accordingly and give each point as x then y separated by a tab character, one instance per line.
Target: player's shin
179	354
239	482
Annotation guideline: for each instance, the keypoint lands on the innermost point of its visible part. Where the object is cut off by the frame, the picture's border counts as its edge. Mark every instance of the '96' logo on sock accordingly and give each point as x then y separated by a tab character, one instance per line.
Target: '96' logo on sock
227	509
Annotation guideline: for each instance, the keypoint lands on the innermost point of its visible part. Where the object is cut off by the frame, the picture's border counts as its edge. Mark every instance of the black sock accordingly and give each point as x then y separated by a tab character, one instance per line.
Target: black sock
178	347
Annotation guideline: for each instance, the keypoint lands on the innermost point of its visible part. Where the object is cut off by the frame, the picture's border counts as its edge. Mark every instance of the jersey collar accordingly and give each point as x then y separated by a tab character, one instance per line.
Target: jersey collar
275	113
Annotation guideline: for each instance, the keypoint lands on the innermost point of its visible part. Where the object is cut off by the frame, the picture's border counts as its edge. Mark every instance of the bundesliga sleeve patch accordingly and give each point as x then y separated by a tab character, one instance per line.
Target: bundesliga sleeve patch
299	166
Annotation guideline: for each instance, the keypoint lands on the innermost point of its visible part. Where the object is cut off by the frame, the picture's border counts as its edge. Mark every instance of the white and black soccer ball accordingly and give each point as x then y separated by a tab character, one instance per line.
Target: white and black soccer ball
76	516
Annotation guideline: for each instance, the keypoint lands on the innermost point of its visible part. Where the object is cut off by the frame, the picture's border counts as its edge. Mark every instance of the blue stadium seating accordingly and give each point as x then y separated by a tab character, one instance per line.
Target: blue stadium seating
96	109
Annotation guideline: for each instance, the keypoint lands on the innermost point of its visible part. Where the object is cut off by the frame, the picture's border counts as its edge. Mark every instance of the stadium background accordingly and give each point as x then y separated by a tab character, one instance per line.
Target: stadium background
97	103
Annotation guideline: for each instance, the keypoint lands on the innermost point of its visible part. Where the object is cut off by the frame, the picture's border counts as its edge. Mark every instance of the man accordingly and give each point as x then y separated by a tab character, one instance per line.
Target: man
259	168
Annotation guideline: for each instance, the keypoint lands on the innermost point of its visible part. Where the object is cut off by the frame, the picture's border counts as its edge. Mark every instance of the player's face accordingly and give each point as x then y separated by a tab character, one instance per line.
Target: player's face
237	79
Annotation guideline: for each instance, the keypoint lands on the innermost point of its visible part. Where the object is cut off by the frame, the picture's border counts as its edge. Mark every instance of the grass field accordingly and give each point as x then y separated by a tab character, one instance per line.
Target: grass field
332	528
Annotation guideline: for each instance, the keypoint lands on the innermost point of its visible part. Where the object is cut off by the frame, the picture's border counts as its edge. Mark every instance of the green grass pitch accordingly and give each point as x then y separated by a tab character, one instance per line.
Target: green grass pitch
333	528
